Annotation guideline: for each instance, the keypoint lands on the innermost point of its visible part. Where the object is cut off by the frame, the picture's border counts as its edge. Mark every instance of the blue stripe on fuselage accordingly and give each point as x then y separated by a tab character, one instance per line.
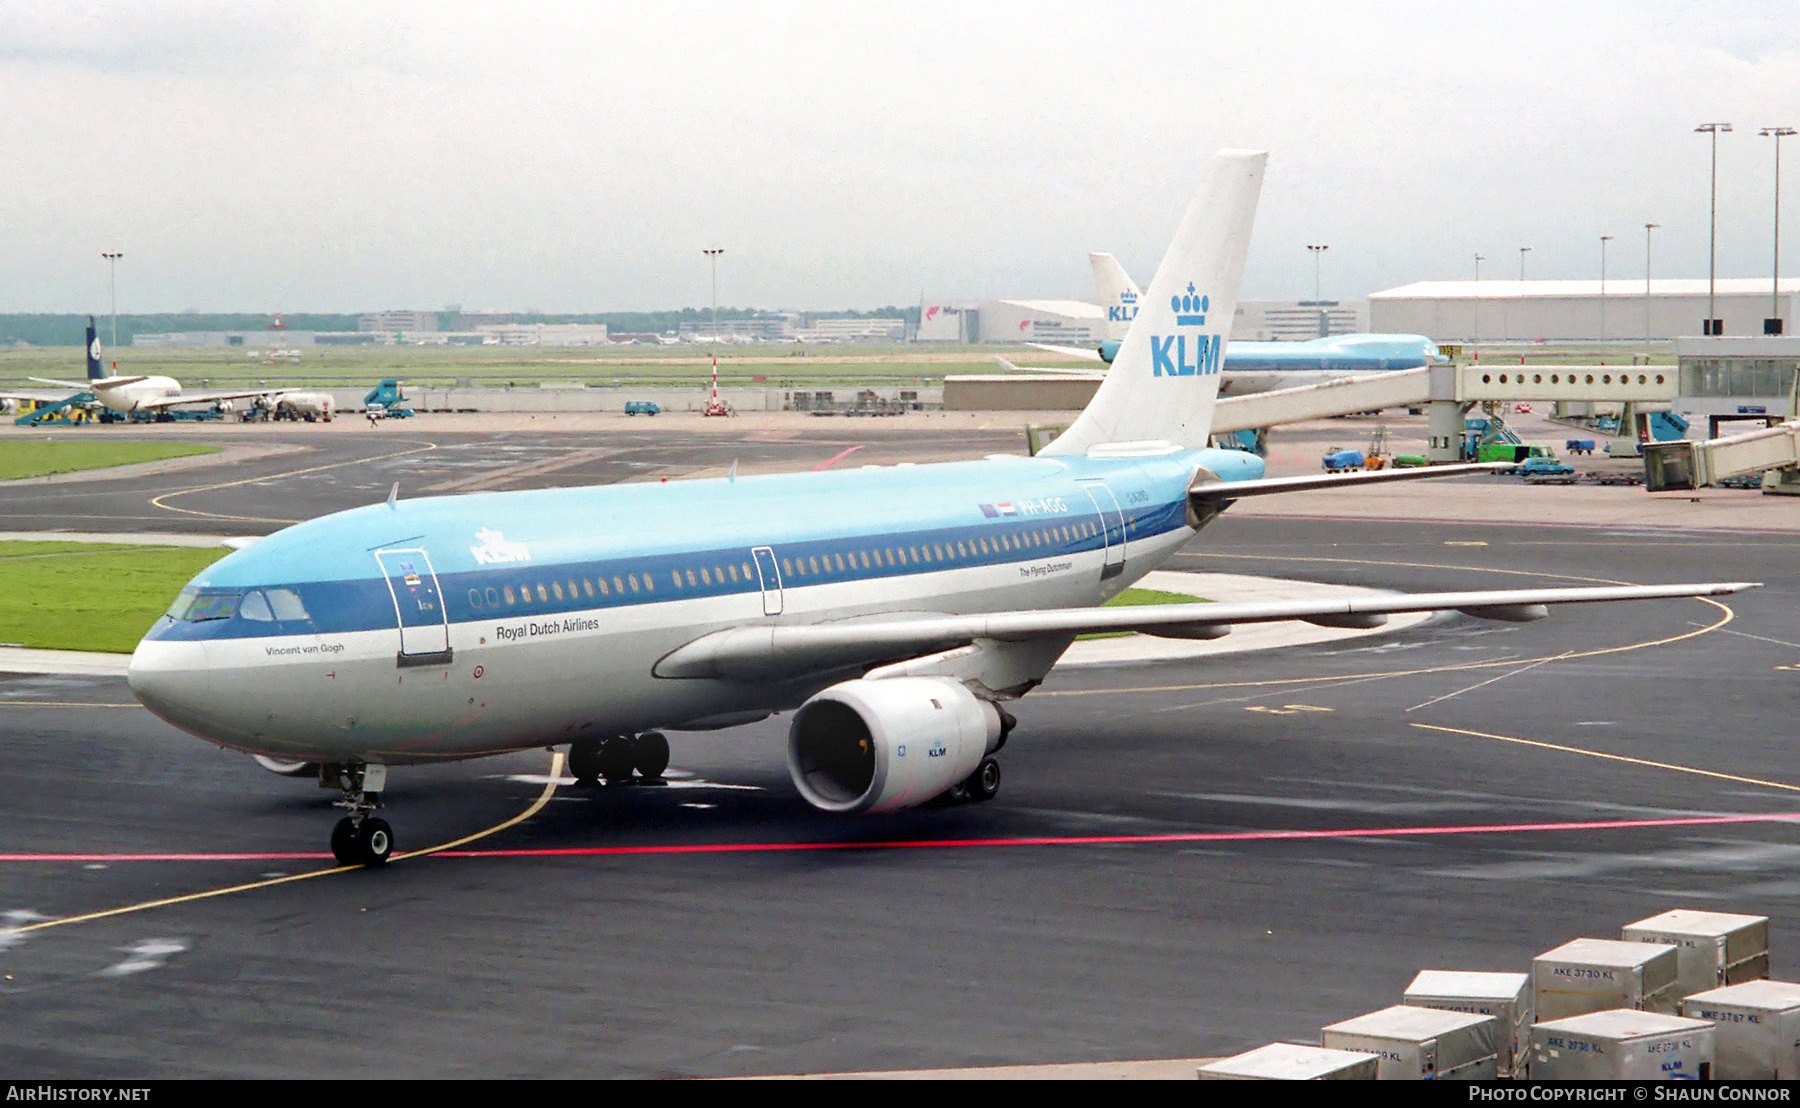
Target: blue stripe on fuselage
571	537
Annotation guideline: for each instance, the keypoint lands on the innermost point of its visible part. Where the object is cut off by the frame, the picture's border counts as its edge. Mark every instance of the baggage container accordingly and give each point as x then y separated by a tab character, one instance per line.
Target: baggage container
1421	1044
1594	975
1758	1027
1712	948
1292	1062
1505	996
1622	1045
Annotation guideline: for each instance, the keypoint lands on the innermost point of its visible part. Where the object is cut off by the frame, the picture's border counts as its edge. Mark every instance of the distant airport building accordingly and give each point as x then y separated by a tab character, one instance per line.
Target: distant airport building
764	328
1060	322
1078	323
1297	320
258	340
407	322
1728	381
1531	311
949	323
544	334
867	329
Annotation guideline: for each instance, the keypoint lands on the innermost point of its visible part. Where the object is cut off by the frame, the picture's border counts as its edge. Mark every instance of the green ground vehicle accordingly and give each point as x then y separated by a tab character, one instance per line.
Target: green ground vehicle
641	407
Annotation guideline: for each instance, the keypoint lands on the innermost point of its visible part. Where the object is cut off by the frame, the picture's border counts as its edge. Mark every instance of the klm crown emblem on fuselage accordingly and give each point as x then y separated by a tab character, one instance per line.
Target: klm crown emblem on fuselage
1185	354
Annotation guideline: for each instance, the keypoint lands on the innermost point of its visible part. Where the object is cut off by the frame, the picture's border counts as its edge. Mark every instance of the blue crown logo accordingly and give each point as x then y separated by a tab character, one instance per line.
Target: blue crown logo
1128	297
1190	308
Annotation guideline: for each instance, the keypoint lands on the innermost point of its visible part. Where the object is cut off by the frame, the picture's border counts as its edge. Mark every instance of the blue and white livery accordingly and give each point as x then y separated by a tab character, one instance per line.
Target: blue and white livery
894	610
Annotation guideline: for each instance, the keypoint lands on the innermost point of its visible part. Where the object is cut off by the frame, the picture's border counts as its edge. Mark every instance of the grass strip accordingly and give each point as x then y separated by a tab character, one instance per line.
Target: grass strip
90	596
1132	598
43	457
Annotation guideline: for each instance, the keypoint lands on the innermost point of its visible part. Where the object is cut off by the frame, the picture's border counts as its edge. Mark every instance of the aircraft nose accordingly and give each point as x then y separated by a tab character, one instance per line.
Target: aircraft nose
170	678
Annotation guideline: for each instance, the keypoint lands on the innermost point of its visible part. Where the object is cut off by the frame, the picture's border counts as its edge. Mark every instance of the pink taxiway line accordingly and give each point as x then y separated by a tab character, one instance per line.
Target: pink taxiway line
940	844
836	458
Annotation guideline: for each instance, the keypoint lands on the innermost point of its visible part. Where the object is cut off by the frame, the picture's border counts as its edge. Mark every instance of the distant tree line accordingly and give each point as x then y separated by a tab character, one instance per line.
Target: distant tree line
62	329
67	329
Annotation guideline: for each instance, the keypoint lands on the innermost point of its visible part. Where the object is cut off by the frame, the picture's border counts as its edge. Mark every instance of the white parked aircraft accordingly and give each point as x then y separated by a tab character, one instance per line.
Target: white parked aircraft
143	394
893	609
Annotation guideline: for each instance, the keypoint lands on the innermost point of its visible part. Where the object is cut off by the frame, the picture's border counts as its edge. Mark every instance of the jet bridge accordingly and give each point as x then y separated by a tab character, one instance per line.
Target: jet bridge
1772	451
1447	392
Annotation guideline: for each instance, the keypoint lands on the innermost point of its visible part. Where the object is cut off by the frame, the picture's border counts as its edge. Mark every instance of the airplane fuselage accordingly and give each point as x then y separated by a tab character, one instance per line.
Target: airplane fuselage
133	394
453	627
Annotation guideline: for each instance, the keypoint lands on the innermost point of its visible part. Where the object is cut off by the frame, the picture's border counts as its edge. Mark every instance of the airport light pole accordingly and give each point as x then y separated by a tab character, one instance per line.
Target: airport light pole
112	265
1712	248
1523	250
1604	239
712	253
1318	251
1648	227
1477	335
1777	133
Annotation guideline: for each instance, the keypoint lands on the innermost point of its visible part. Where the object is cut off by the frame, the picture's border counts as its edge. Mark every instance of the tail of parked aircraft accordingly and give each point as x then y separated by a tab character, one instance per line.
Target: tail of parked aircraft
1119	294
1166	375
94	370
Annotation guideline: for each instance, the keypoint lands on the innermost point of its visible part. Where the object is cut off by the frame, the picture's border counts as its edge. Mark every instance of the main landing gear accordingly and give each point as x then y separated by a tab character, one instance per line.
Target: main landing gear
360	838
979	787
615	759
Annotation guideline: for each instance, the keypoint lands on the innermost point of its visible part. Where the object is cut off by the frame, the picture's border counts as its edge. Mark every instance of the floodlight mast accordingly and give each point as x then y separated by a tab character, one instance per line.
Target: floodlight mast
1712	248
1648	227
1604	239
1476	337
712	253
112	265
1777	133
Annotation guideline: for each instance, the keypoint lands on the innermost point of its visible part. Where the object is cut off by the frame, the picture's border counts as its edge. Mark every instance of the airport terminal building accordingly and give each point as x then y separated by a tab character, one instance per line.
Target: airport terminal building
1585	311
1079	323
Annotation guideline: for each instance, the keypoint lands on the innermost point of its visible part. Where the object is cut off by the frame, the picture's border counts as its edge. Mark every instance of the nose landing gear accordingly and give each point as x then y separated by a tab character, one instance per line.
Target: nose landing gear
360	838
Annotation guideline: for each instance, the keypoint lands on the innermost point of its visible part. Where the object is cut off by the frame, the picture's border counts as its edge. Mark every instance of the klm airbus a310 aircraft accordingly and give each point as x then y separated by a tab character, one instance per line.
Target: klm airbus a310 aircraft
893	609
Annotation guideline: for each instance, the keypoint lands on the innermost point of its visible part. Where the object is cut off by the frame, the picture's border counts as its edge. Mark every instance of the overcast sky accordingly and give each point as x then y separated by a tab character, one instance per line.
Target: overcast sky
297	156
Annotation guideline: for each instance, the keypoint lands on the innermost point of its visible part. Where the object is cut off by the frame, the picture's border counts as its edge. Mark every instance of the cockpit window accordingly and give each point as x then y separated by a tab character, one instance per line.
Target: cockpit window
286	605
266	605
192	607
256	607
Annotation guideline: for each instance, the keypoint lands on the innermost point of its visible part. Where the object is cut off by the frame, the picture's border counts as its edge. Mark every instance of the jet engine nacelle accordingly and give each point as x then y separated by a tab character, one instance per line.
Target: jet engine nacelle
887	744
9	406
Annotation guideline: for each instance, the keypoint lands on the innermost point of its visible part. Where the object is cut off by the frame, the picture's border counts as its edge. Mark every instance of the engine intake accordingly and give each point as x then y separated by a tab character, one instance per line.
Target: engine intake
888	744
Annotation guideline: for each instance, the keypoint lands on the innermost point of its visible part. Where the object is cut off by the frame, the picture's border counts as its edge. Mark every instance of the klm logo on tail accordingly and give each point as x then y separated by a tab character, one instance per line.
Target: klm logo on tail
1125	310
1169	355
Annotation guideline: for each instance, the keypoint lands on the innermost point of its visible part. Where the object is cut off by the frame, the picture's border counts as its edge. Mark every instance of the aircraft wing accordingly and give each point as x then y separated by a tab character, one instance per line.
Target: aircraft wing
87	386
1081	352
39	395
787	651
206	398
1221	491
1079	374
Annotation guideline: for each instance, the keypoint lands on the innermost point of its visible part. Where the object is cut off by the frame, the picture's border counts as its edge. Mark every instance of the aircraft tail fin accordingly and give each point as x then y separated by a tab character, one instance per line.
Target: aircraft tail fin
95	371
1119	294
1165	377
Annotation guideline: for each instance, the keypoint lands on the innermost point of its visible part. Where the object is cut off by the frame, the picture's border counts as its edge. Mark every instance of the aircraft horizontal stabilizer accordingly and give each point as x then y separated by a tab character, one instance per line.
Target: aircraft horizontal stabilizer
789	652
